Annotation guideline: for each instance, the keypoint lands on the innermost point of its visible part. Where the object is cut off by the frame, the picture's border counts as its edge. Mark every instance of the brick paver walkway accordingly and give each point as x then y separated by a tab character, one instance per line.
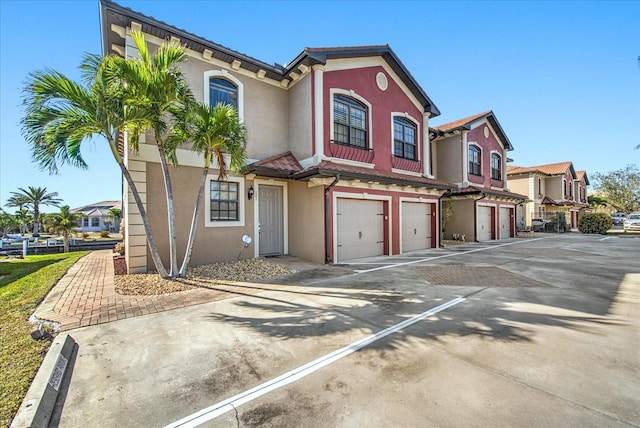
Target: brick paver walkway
86	296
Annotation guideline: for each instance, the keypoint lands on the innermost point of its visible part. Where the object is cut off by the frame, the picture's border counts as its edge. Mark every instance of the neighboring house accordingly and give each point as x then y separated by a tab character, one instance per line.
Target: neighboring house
338	142
472	153
96	217
550	189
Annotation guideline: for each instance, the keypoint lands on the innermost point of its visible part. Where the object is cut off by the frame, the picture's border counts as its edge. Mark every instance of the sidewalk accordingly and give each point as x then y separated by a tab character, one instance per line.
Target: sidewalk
86	296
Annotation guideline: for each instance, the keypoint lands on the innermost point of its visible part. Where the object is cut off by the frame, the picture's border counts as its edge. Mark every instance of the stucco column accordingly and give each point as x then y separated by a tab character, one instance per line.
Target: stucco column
465	159
426	155
318	108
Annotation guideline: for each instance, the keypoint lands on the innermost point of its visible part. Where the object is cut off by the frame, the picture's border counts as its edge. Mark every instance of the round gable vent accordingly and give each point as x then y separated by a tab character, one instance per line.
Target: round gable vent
381	81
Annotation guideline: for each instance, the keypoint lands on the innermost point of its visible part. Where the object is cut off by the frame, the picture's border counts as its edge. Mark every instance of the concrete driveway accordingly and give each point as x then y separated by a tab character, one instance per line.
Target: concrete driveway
523	332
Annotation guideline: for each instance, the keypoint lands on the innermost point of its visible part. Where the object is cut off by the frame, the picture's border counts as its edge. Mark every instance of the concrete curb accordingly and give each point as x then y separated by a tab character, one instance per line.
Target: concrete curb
38	405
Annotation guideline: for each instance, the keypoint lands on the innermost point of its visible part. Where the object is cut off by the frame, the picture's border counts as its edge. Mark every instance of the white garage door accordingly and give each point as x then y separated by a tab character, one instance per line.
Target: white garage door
484	223
416	226
505	223
360	228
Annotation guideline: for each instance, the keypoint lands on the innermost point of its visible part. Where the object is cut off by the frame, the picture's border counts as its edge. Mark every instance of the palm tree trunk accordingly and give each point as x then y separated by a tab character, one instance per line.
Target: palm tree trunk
153	248
36	217
171	216
65	242
194	224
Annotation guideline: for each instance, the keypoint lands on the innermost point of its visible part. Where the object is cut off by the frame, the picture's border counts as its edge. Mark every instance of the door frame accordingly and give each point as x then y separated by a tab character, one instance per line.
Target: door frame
256	214
364	196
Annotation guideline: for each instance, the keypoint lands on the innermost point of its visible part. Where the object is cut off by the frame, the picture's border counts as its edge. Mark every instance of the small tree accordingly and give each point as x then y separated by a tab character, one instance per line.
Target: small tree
7	222
621	188
35	197
63	223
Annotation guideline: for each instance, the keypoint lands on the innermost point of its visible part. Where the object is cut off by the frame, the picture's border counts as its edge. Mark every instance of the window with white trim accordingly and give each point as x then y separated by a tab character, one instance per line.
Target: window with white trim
95	222
404	139
349	122
496	166
224	201
222	91
475	166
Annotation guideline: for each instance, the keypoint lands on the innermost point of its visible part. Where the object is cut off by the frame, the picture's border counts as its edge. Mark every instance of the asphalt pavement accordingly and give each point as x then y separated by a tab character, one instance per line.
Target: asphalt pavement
521	332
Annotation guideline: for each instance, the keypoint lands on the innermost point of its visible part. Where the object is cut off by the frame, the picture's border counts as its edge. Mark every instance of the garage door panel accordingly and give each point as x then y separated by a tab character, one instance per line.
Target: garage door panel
360	228
484	224
416	226
505	223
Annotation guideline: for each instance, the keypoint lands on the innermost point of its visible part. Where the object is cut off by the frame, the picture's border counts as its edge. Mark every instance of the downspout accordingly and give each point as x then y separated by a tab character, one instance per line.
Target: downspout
448	192
327	240
475	215
521	204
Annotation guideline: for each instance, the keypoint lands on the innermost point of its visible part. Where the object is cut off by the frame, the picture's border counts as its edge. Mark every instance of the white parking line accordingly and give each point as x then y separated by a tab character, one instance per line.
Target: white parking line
444	256
605	238
230	404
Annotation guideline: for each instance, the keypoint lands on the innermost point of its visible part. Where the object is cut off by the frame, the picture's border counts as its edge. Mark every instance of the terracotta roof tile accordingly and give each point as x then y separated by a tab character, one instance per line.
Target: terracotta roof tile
462	122
284	162
549	169
328	168
470	190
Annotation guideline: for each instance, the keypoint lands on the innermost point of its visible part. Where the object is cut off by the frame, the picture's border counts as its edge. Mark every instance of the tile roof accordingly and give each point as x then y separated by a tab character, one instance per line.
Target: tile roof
470	190
461	123
330	169
582	174
548	169
284	164
466	122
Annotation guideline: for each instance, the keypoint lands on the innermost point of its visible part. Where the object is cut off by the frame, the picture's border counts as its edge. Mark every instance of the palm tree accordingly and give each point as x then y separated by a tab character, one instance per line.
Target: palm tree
19	201
113	215
155	85
36	196
216	133
23	218
63	223
61	114
7	222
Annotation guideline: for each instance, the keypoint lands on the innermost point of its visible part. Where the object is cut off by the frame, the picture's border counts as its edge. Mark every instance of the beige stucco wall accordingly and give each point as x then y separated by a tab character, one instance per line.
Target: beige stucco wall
265	106
448	159
300	119
306	221
213	244
553	187
520	185
462	219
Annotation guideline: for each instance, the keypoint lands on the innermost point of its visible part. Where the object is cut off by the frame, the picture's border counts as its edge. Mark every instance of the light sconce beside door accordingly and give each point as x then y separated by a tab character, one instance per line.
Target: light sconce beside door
250	192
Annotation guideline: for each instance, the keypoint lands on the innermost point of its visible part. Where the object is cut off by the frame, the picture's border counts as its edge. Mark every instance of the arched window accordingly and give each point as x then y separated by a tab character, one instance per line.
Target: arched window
496	166
222	91
349	122
475	166
404	139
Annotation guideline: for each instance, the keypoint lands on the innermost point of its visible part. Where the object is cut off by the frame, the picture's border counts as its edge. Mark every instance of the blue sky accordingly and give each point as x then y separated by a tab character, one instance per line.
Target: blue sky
563	78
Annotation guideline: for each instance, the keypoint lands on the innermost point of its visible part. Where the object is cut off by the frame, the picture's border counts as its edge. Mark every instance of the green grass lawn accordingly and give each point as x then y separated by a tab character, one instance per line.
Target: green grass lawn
23	285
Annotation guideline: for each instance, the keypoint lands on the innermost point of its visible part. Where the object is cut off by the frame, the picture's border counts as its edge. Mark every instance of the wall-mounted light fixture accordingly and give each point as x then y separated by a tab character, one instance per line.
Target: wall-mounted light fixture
250	192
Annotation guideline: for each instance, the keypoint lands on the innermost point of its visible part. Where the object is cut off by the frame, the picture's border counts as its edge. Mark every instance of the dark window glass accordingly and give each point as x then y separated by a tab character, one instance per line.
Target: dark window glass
222	91
224	201
404	139
474	160
349	122
496	167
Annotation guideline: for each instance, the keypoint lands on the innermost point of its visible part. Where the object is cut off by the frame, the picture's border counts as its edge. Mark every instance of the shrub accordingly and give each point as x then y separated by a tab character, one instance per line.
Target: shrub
594	223
119	248
104	233
85	235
